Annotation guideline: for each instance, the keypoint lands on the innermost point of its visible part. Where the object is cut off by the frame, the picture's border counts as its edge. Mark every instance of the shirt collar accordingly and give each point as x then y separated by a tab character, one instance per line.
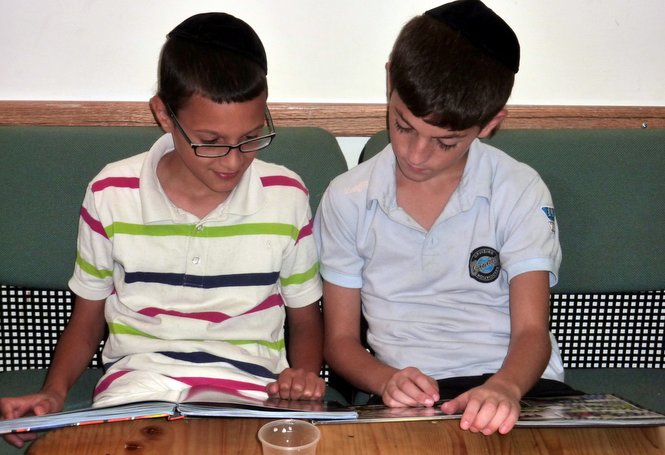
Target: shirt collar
382	185
476	180
247	197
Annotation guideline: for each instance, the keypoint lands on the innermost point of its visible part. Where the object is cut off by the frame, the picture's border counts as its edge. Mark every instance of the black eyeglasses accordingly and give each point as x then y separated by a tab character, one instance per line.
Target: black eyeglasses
219	150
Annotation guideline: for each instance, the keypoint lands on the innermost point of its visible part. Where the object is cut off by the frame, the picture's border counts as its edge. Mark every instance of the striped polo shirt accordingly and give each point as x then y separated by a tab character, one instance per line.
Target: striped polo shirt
193	301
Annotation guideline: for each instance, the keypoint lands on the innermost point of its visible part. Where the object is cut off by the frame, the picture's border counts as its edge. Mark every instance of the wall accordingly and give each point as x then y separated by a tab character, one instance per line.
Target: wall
590	52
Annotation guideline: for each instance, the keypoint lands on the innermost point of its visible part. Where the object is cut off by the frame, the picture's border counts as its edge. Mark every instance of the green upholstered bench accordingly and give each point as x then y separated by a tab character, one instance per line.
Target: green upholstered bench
608	309
44	173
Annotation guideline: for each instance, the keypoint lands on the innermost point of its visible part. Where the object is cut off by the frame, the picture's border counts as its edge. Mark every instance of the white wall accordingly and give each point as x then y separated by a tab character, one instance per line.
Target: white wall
576	52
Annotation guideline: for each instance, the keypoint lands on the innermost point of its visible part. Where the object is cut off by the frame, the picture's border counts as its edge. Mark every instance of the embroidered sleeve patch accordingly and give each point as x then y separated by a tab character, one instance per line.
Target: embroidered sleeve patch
484	264
551	217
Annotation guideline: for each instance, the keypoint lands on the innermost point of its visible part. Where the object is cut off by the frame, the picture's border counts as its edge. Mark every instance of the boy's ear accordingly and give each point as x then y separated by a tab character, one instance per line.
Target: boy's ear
161	114
493	124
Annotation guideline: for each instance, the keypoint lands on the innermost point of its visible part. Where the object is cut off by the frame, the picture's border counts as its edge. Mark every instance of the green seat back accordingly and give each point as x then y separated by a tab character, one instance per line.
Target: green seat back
45	171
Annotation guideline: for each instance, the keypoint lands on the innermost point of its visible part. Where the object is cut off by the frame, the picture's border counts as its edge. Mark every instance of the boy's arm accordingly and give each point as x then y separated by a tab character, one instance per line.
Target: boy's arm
496	404
345	354
305	337
302	381
75	348
530	348
78	343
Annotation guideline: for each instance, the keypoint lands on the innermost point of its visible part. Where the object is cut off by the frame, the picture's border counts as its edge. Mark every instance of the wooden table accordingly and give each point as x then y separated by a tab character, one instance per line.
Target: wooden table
238	436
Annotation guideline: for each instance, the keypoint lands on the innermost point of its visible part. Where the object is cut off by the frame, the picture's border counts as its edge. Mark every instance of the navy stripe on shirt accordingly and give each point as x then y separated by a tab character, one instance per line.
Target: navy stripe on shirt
205	282
204	357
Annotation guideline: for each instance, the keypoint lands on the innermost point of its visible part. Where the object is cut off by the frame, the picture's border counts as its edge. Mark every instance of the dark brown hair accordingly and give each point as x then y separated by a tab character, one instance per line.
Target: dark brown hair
223	76
444	79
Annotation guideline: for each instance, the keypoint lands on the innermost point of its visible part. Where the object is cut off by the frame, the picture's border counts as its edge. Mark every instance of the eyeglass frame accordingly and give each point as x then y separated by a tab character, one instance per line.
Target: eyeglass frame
271	135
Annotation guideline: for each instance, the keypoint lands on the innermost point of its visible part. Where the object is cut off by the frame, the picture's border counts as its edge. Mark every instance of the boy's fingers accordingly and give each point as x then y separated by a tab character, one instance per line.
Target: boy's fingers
272	388
403	394
20	440
410	387
43	407
501	415
483	415
429	387
297	385
455	405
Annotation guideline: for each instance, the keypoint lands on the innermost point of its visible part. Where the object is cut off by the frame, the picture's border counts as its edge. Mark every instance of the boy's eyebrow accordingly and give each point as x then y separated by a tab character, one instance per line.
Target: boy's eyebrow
217	133
451	135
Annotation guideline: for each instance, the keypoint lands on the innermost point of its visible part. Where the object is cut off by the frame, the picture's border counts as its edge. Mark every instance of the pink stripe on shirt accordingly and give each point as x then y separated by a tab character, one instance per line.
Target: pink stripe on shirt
119	182
305	231
94	224
213	316
108	380
281	180
227	385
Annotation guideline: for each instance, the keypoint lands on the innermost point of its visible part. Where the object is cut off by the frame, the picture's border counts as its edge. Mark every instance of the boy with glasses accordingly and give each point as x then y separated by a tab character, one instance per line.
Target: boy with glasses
189	253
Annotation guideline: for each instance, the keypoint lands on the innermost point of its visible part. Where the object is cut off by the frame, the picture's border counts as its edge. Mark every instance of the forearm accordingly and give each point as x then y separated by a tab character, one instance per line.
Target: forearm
527	358
343	350
68	363
75	348
530	347
306	339
350	359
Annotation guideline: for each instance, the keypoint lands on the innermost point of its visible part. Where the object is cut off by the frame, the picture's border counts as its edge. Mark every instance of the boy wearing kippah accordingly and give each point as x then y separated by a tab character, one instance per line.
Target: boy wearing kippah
447	246
189	253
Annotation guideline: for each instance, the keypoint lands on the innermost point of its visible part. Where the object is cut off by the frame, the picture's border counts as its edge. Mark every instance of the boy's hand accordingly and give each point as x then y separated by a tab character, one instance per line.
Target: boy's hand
34	404
410	387
487	408
296	384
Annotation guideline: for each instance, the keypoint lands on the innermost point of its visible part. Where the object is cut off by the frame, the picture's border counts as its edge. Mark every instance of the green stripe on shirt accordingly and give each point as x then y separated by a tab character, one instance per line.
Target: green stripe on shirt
276	345
91	270
207	231
122	329
300	278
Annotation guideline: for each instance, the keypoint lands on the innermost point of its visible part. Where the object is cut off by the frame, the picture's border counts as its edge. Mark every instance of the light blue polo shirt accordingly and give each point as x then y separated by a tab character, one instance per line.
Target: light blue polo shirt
438	300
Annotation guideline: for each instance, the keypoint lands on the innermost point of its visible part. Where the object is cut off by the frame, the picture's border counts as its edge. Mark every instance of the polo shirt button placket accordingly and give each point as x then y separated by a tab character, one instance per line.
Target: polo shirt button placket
196	260
429	252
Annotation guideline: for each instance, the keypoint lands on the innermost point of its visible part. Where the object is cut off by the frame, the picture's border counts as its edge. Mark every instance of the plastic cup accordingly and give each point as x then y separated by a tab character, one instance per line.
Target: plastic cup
289	436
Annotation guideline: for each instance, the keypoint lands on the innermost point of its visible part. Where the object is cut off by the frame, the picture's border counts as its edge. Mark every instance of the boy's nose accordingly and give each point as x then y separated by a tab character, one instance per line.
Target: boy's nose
233	159
419	150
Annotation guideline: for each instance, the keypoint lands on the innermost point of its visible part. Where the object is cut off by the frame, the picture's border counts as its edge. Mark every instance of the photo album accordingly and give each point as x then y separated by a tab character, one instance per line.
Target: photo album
591	410
588	410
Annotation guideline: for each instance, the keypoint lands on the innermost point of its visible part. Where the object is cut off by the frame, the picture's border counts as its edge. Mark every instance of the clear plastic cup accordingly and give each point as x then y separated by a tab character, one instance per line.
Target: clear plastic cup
289	436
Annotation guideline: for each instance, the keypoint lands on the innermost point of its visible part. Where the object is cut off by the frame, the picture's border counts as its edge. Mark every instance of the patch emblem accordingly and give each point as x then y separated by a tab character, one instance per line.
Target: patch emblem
549	213
484	265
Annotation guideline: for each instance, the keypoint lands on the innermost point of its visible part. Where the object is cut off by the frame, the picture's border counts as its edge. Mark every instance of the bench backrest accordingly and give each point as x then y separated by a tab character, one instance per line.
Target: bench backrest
45	171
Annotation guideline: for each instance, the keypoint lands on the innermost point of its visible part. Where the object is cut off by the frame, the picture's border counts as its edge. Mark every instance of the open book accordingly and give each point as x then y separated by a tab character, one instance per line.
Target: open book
589	410
573	411
193	402
586	410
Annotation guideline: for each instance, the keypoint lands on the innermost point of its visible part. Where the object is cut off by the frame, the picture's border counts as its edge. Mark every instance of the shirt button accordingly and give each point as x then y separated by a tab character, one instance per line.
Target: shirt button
199	227
196	260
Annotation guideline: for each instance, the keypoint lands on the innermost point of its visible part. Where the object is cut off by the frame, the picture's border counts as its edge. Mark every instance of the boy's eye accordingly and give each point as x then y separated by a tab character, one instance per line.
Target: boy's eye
444	146
401	128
